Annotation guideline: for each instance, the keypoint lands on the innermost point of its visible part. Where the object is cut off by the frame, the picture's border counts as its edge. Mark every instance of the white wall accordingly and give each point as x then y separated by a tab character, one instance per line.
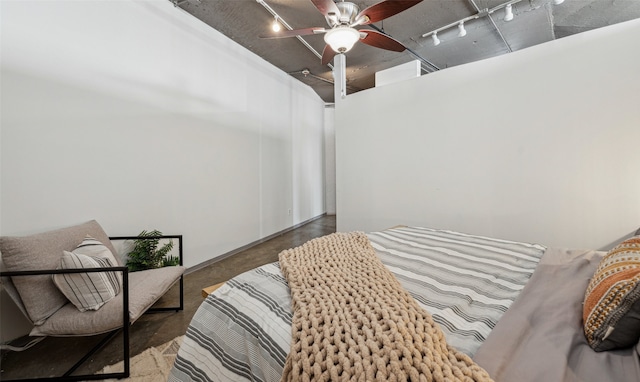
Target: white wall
538	145
402	72
141	117
330	160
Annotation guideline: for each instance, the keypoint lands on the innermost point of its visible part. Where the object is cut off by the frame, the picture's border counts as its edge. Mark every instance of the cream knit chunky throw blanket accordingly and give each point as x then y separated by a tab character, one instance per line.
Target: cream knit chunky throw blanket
352	321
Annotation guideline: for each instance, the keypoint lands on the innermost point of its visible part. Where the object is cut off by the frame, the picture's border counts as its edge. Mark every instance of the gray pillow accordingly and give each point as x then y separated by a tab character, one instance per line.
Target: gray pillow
40	296
94	248
87	291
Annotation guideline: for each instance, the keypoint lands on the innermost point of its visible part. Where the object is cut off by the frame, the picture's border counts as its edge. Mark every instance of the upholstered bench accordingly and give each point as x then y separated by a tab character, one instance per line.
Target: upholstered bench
52	298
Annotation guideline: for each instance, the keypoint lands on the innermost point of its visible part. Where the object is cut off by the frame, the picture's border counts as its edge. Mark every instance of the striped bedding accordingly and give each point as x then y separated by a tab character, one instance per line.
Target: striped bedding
243	330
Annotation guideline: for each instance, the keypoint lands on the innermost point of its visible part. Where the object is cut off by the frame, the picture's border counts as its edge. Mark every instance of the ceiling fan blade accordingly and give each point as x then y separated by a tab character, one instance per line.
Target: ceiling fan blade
384	9
293	33
381	40
327	55
327	7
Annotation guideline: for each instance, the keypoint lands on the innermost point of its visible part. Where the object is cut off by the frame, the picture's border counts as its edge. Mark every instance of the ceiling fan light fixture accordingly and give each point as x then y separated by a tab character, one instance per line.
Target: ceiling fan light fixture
436	40
461	31
342	39
508	13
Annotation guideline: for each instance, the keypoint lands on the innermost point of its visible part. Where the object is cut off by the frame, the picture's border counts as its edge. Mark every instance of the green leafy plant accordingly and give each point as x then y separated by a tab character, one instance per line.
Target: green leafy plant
147	255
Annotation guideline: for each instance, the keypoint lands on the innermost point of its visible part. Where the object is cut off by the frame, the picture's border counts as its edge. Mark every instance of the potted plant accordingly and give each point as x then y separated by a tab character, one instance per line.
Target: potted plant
147	254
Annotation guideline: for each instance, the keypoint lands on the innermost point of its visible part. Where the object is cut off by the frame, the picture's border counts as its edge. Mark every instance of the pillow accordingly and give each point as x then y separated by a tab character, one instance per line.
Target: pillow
39	295
87	291
611	311
94	248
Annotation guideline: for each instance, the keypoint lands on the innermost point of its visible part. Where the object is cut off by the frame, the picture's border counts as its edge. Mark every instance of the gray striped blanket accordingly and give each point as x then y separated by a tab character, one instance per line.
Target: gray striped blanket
242	332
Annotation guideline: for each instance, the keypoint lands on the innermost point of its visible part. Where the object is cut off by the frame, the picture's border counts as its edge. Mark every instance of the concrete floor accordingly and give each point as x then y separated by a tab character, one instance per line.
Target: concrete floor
53	356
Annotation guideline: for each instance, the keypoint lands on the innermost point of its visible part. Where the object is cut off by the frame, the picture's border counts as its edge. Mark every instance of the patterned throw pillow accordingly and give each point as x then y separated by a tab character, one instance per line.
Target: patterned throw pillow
88	291
611	312
94	248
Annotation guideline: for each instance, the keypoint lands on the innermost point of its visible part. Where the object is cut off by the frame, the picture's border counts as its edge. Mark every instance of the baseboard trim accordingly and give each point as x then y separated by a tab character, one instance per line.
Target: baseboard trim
247	246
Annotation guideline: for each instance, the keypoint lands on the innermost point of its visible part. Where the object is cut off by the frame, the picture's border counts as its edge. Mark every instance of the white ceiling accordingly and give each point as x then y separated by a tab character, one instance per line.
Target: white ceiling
535	22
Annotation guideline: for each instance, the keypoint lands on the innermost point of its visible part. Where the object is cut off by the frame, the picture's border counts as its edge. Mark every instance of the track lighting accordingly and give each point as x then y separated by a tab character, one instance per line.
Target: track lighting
461	31
508	13
486	12
276	25
436	40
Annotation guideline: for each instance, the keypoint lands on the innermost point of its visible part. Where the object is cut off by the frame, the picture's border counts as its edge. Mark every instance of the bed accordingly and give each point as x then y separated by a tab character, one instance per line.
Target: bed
514	308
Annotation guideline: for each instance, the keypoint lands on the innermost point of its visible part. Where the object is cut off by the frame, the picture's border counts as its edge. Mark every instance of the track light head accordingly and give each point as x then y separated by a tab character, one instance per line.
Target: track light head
436	40
461	31
276	27
508	13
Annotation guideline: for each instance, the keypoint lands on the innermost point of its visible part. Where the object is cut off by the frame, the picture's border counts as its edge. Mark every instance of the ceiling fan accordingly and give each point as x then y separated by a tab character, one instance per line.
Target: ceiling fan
343	17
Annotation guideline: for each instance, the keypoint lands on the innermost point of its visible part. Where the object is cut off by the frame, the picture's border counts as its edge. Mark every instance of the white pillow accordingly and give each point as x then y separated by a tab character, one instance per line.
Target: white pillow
88	291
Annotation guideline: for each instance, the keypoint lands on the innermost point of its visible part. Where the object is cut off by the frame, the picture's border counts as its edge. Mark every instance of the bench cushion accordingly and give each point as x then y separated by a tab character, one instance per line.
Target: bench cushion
145	288
40	296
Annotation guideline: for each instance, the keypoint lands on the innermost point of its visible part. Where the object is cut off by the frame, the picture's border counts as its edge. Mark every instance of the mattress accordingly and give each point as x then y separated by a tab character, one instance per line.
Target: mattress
242	331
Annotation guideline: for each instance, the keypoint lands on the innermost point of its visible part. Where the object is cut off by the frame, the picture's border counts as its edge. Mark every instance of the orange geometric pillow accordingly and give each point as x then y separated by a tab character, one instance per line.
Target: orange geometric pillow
611	311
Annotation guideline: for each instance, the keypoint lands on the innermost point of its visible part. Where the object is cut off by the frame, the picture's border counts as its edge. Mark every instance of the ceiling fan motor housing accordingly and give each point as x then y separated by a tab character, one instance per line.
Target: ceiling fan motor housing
348	13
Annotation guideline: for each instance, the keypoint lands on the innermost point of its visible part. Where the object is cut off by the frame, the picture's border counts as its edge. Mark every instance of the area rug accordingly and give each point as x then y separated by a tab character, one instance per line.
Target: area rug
152	365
